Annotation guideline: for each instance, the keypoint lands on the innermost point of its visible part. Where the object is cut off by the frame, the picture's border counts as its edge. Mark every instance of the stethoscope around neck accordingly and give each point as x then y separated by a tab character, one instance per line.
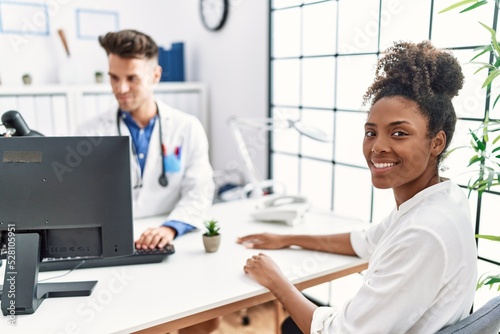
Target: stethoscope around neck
163	180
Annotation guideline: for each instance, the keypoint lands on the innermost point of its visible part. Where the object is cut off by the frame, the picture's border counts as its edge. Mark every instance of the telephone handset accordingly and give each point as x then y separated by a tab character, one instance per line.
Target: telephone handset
284	200
14	125
289	209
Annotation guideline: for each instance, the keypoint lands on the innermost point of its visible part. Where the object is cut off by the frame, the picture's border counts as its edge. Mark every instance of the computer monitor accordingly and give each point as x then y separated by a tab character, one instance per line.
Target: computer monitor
60	197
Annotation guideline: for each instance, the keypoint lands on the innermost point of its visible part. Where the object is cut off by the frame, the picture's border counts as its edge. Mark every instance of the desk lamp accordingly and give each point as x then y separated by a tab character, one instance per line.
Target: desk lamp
288	209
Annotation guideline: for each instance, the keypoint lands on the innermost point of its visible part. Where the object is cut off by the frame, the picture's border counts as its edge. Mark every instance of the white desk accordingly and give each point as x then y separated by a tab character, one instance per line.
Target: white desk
190	286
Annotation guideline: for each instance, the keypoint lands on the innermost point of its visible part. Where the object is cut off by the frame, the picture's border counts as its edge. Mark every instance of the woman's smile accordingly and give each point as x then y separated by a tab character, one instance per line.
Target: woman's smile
397	147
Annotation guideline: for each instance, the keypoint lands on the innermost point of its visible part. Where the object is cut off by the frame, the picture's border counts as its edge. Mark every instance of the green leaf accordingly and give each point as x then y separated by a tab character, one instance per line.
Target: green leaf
482	188
494	126
487	48
491	30
488	237
488	280
484	49
480	3
477	185
212	227
471	187
474	147
478	143
496	100
493	37
456	5
485	66
474	159
492	280
480	185
493	74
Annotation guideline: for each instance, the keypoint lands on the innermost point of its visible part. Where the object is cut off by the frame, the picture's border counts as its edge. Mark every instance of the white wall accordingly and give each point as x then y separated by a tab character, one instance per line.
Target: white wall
232	61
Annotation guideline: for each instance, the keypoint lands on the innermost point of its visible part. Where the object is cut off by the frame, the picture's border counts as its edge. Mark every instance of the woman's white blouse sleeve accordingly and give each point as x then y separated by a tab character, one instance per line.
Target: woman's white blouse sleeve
396	294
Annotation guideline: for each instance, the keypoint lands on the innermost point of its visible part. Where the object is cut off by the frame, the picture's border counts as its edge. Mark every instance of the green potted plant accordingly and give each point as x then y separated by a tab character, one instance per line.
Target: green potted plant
485	140
99	77
27	79
211	237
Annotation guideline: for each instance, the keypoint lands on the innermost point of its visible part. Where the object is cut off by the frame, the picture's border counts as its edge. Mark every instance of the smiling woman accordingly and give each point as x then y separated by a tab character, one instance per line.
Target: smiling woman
398	150
422	270
412	119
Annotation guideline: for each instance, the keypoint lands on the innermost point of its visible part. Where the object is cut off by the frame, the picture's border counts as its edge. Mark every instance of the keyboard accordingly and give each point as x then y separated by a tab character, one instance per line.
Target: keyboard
140	256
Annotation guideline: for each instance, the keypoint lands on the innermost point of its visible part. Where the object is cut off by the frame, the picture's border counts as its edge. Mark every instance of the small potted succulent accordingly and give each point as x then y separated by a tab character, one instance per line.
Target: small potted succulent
99	77
27	79
211	237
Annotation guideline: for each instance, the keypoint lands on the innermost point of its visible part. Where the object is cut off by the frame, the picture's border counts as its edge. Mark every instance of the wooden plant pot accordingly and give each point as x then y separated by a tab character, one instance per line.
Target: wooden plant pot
211	243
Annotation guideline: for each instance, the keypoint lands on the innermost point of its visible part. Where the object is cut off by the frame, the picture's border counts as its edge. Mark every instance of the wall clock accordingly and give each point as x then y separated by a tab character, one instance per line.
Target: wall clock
214	13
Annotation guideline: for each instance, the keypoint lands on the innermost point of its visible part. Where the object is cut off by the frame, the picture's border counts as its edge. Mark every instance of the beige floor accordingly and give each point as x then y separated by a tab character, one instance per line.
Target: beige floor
262	320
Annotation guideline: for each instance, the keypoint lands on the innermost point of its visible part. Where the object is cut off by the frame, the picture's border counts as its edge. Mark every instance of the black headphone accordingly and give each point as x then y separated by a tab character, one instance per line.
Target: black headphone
163	180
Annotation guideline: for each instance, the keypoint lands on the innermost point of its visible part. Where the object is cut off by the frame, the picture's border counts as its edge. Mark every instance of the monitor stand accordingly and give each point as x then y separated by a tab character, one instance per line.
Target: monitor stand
21	292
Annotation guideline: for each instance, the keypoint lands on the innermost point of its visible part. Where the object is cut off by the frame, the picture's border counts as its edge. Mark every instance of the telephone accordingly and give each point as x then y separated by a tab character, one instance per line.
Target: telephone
13	124
289	209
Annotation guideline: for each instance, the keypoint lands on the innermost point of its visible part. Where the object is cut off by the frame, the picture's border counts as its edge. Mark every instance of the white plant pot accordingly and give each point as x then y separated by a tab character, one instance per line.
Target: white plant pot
211	243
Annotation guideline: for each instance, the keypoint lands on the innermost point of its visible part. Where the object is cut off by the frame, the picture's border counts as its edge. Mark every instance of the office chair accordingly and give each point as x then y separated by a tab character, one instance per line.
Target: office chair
486	320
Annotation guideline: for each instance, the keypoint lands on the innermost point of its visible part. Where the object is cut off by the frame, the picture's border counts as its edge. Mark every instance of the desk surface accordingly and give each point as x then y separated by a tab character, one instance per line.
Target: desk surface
190	286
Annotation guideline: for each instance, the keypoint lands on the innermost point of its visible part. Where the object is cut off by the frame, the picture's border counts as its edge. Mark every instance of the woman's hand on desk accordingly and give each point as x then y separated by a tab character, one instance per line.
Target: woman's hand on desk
264	241
155	237
265	271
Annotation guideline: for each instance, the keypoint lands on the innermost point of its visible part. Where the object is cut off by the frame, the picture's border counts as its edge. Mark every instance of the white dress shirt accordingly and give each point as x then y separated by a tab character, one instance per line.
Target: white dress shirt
422	269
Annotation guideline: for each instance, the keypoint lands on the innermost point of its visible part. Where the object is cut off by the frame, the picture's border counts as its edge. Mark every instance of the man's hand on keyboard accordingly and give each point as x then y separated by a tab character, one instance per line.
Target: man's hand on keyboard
155	237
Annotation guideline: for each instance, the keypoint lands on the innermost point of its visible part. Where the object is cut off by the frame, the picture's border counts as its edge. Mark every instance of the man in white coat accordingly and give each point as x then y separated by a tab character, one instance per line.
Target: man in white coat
171	172
170	166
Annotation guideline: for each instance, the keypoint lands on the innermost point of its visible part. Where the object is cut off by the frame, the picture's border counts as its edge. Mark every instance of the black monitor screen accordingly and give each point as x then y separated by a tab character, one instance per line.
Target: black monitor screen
73	194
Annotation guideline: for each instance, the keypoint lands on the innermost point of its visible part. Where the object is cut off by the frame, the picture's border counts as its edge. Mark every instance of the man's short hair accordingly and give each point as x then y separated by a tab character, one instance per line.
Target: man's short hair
129	44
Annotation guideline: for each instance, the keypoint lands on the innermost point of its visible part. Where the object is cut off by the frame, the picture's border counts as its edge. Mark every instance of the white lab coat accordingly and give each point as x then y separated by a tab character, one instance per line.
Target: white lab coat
190	191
